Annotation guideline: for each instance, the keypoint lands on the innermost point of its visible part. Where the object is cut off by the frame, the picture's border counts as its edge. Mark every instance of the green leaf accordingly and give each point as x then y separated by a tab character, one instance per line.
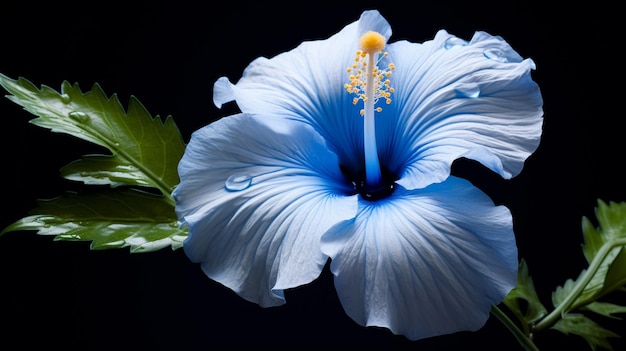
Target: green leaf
606	309
145	150
580	325
611	274
608	278
616	274
561	292
110	219
525	291
612	225
593	239
604	248
102	170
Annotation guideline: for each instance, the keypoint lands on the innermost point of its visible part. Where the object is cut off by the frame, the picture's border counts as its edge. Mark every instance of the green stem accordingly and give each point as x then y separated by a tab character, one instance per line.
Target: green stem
522	338
579	286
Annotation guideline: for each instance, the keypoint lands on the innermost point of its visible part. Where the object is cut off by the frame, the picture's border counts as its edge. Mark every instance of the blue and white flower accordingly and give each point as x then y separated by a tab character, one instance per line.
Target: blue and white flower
355	167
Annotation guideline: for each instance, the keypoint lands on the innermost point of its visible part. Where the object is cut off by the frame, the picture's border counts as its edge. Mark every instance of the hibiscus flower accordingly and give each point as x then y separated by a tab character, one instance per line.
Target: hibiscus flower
343	152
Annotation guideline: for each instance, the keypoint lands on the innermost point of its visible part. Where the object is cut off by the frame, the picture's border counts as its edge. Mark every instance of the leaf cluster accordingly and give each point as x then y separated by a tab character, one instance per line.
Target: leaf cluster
605	250
136	209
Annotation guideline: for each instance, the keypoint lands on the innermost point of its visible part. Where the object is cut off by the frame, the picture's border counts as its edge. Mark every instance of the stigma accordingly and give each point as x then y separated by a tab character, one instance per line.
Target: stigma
372	42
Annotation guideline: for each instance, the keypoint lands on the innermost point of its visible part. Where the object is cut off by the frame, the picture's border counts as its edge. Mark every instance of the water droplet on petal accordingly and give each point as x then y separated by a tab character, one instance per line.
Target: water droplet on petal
454	41
65	98
495	54
80	117
238	182
468	90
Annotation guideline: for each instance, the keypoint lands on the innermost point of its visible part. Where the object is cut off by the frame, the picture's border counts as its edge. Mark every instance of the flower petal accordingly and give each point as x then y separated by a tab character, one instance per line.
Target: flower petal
261	235
307	84
452	99
456	99
424	262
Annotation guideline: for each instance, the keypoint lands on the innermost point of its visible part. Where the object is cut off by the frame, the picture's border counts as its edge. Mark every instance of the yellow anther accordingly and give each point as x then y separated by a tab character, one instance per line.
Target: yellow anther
372	42
365	69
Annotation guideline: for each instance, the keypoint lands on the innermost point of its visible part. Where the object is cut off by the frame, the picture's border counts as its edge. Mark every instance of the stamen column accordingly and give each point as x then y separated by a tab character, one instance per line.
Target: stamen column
370	83
373	176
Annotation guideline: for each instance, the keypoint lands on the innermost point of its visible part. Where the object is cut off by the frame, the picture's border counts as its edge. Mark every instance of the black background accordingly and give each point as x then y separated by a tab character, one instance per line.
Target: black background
168	54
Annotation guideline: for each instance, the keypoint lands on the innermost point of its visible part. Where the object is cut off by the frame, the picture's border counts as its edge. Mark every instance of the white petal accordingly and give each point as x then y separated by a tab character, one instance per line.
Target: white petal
424	262
457	102
265	237
435	117
223	92
307	84
372	20
308	80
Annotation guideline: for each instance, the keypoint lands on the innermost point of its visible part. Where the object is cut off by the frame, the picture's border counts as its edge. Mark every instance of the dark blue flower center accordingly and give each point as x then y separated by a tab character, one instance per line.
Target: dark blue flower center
370	192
